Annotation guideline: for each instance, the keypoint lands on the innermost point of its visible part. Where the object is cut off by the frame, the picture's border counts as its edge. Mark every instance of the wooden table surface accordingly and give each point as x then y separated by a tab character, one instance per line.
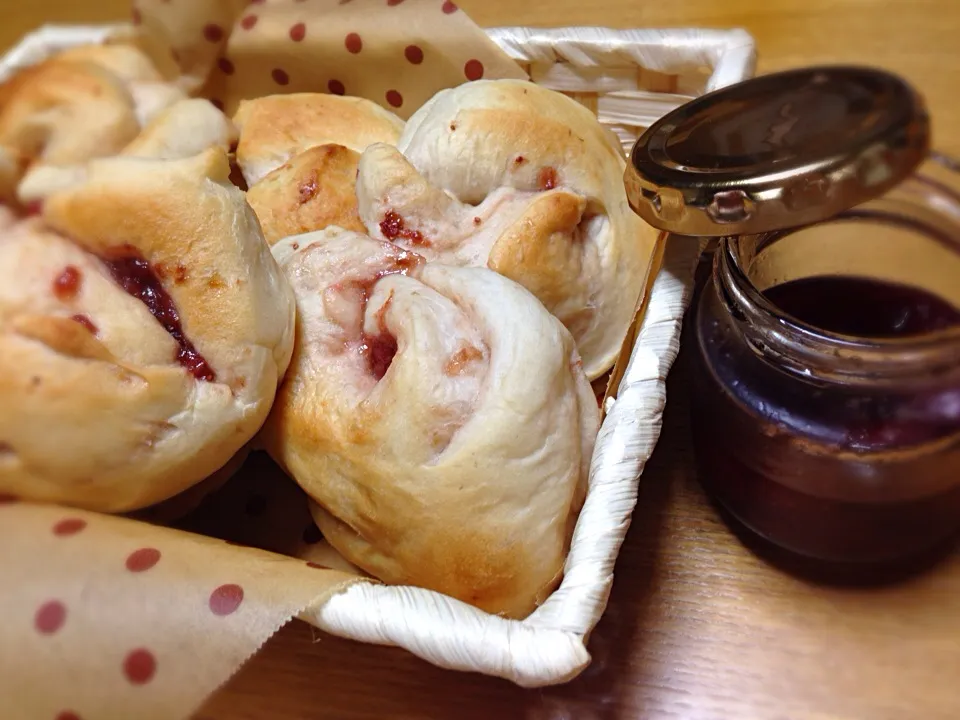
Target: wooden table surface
697	626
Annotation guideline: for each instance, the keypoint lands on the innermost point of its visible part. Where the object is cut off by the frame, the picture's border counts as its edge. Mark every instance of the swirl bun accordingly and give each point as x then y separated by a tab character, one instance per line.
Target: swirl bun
276	128
523	180
83	103
439	417
144	328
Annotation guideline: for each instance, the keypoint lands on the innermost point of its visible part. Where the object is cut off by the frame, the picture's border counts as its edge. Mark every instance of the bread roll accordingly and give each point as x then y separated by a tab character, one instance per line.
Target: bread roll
150	91
299	153
523	180
82	103
276	128
439	417
144	328
182	130
313	190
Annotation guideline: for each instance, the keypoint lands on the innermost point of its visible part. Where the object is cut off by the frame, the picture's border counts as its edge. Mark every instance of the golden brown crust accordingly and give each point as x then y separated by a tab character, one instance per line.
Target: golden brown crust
185	128
276	128
310	192
65	112
83	103
182	130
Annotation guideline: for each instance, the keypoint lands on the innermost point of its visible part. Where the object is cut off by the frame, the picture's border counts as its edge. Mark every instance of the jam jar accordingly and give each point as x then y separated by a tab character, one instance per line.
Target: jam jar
826	358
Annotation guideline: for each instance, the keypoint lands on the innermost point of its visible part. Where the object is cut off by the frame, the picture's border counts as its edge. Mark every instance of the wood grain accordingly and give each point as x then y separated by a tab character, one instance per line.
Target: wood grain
698	627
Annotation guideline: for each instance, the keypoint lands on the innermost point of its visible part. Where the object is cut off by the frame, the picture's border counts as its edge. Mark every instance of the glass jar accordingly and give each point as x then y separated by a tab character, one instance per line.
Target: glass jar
827	420
826	383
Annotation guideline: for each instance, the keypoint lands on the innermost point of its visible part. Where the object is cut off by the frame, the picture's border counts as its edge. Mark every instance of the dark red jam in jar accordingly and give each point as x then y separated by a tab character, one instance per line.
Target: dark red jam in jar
826	409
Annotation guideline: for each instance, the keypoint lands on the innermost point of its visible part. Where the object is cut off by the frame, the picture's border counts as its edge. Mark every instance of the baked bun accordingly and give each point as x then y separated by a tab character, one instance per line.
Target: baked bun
439	418
186	128
83	103
313	190
59	113
182	130
525	181
276	128
144	327
150	91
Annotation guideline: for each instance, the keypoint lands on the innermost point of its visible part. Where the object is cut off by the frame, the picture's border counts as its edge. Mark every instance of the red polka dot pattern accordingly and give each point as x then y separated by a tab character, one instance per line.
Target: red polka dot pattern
449	8
394	98
353	43
473	70
212	32
298	32
336	87
226	66
70	526
280	77
248	22
413	54
50	617
140	666
226	599
142	560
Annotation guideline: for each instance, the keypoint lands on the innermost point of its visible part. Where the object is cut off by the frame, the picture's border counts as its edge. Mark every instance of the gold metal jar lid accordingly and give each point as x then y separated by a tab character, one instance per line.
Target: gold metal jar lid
777	151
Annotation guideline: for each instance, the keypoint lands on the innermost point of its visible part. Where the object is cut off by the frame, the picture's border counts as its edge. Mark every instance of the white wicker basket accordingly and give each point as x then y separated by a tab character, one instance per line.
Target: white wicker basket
629	79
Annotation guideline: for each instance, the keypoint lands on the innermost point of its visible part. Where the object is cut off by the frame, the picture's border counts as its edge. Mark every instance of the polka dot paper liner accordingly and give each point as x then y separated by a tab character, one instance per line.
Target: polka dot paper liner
352	47
139	620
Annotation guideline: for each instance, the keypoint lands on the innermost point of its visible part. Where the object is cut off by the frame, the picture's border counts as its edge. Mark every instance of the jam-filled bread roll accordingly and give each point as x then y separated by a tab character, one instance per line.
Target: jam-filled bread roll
144	328
299	155
438	417
80	104
150	90
523	180
311	191
276	128
186	128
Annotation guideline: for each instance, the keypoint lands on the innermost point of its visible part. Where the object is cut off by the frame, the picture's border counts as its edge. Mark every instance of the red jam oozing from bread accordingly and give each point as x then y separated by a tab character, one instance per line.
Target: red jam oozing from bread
379	350
33	208
547	178
307	190
133	273
392	226
86	322
67	284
